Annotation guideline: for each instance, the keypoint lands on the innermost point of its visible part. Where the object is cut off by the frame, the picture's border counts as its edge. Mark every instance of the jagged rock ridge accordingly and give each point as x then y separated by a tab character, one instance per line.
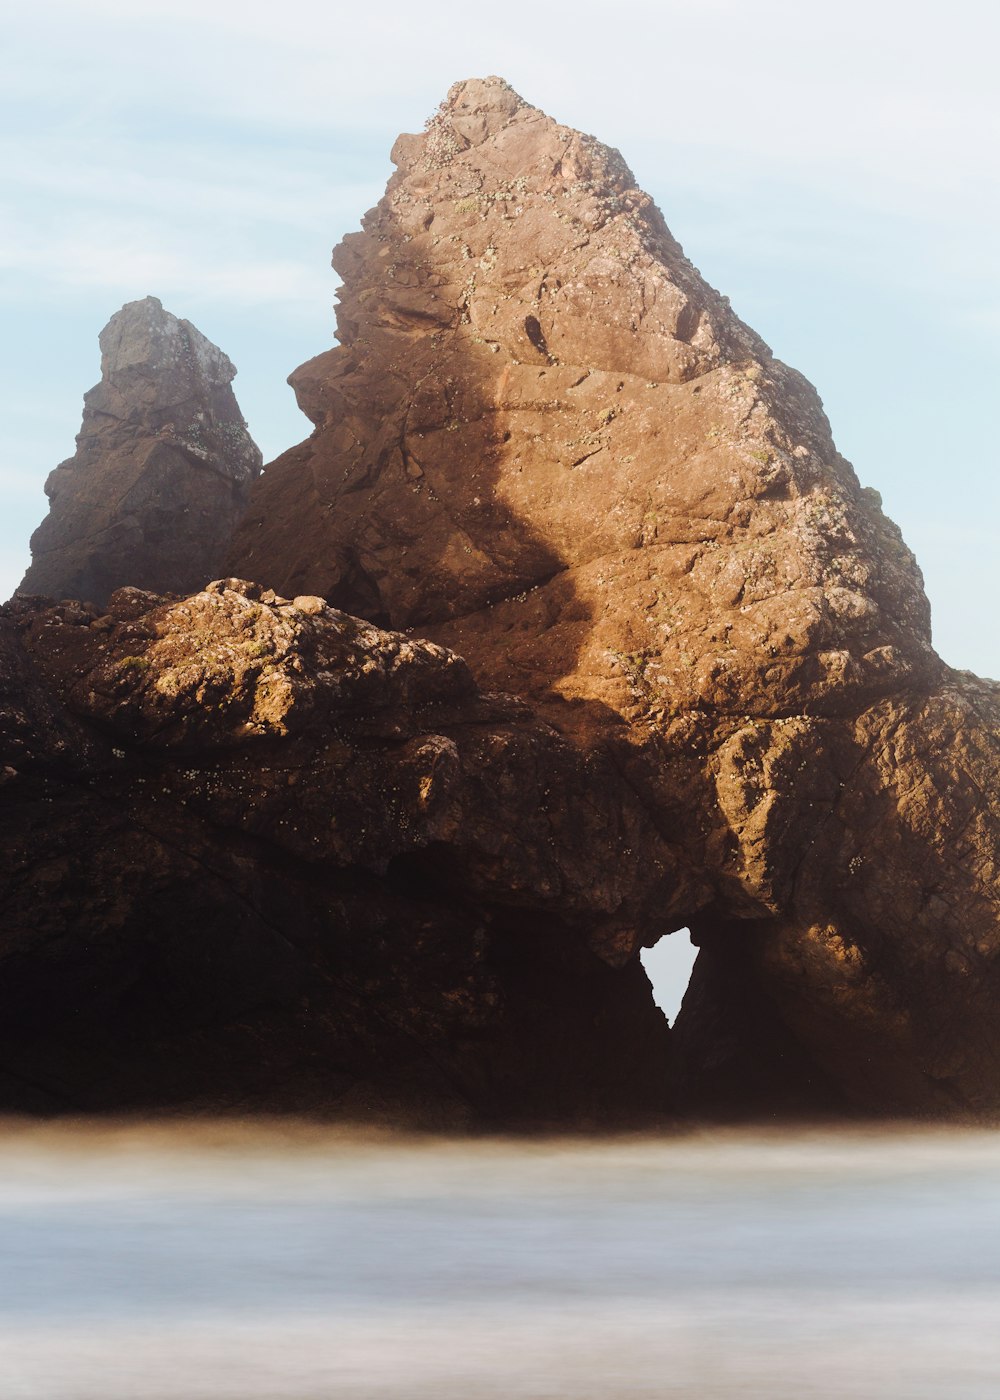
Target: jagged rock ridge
259	854
162	468
546	443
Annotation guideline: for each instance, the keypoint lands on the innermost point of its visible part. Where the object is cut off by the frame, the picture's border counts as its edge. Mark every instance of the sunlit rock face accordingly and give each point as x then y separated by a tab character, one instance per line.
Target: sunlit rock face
161	472
547	444
261	855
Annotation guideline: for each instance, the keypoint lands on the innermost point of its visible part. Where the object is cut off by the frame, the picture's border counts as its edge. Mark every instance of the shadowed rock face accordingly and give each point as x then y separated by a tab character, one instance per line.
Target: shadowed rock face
162	468
260	854
546	443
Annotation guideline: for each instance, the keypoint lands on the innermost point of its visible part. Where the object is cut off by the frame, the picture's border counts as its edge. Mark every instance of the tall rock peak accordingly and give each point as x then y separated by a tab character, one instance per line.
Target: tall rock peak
537	394
163	464
548	444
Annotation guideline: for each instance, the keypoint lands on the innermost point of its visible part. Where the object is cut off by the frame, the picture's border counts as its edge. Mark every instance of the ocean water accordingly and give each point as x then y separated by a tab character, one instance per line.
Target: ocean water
283	1262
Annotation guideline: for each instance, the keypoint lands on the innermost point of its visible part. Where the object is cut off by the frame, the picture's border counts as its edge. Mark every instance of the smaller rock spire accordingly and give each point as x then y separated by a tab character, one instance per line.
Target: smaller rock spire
161	471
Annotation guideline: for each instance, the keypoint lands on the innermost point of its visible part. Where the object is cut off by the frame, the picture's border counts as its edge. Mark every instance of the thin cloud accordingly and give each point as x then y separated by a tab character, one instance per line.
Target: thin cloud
132	260
223	183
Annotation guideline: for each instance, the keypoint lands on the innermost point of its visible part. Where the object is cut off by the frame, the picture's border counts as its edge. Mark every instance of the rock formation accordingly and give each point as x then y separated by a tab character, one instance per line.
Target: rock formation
260	854
545	443
162	468
302	854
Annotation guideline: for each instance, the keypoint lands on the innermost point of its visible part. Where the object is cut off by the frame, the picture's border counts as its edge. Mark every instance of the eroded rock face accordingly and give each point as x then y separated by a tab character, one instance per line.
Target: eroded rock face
537	394
882	960
547	444
260	854
162	468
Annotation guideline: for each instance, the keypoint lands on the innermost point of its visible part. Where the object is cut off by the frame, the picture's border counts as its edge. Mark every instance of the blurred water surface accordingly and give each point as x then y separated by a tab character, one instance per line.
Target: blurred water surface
285	1262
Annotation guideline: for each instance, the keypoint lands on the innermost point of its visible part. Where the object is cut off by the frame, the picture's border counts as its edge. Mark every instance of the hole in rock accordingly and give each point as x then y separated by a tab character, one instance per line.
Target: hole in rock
534	332
668	966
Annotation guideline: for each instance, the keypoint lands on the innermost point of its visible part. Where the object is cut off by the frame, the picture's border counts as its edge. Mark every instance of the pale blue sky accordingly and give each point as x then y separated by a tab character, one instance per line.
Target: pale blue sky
831	166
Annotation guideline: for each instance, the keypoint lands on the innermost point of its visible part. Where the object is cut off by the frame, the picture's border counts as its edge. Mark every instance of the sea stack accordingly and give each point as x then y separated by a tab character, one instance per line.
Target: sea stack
567	628
161	472
548	444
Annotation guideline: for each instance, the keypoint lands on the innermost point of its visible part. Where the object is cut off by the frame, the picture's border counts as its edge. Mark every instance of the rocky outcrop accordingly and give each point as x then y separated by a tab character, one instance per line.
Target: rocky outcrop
570	628
545	443
260	854
162	468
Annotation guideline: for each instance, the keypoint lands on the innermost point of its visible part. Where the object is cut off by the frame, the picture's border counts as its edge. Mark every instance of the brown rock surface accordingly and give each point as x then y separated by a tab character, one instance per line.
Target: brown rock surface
162	468
546	443
260	854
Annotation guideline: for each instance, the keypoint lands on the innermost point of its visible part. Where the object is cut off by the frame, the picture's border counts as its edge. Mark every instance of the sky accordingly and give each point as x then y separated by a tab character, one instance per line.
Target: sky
830	166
